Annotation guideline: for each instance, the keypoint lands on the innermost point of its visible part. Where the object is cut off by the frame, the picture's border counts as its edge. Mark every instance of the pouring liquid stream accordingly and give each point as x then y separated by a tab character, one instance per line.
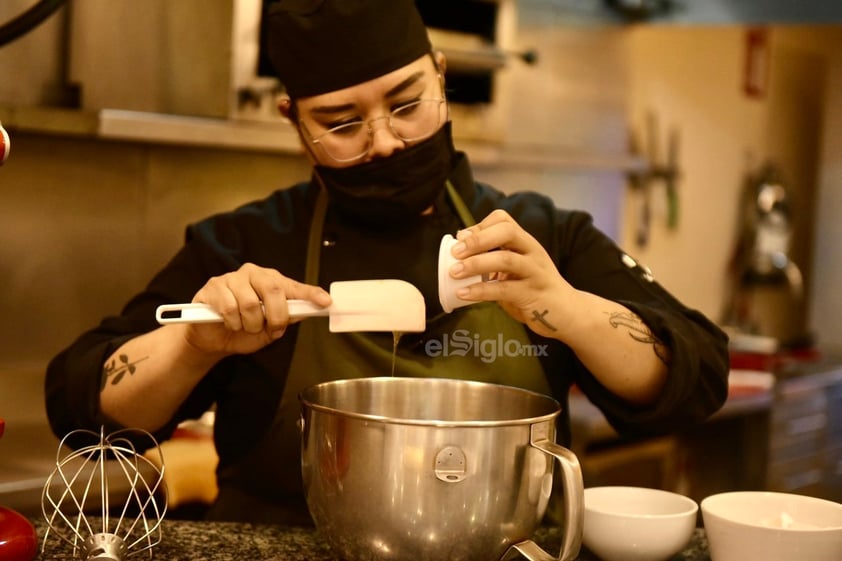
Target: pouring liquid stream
396	336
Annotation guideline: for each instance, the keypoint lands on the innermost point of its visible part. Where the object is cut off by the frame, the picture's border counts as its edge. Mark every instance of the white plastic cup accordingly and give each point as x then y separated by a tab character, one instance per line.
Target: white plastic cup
447	284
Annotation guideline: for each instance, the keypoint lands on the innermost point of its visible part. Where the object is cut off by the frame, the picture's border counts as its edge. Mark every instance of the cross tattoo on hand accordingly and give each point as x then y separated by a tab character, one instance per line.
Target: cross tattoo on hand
539	317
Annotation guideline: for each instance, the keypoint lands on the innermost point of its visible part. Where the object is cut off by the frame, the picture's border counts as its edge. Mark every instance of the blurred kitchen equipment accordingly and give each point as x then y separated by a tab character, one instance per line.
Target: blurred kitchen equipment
28	20
767	288
5	145
637	523
120	530
655	170
641	10
33	54
18	540
208	59
365	305
765	526
434	468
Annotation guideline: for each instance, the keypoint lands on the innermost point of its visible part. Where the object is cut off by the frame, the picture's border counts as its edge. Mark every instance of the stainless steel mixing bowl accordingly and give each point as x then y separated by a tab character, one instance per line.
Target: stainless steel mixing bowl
434	469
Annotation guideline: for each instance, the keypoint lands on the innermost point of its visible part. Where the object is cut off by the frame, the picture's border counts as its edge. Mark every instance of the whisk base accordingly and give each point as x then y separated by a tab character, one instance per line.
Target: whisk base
105	547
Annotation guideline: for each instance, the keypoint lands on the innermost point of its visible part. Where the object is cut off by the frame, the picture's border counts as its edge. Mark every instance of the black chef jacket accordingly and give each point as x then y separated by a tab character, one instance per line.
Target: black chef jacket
273	232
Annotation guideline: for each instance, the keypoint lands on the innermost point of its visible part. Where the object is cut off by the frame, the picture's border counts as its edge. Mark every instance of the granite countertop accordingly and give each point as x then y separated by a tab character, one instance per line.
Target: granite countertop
229	541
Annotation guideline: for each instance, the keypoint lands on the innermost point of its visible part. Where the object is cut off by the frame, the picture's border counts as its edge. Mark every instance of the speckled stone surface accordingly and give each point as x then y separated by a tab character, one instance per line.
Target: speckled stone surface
215	541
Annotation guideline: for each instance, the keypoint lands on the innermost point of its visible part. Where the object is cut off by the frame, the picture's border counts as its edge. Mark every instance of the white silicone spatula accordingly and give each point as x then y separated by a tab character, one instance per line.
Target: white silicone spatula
363	305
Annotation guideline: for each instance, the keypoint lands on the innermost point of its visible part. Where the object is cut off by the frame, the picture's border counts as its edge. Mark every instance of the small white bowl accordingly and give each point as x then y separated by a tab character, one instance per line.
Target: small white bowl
766	526
637	523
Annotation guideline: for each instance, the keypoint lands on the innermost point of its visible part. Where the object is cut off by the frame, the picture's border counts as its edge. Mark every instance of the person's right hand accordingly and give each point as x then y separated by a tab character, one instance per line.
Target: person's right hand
253	303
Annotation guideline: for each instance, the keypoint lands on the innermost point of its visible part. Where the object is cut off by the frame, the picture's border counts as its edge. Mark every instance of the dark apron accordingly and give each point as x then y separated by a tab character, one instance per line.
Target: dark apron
479	342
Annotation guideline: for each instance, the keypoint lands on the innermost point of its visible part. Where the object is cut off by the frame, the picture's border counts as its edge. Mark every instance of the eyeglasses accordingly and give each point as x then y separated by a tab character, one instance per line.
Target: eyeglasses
410	122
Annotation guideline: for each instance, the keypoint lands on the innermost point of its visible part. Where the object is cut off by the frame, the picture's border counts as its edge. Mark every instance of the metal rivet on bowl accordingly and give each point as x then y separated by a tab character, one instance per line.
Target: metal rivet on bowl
450	464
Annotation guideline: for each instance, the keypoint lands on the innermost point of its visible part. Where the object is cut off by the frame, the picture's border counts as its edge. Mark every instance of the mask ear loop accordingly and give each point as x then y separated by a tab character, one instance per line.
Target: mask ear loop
440	74
296	122
440	71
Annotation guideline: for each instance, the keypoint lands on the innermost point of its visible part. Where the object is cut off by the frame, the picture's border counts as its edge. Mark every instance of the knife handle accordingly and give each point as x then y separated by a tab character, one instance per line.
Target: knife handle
203	313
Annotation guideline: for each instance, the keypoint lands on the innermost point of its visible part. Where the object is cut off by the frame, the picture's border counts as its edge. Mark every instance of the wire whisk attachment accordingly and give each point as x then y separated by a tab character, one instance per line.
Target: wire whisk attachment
102	499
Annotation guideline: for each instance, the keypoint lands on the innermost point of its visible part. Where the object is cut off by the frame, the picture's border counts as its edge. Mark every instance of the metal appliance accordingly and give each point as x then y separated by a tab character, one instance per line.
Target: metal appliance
435	468
767	293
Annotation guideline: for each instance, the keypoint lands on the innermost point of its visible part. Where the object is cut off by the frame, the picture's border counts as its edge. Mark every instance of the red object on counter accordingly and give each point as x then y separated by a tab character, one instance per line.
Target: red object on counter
5	145
18	540
774	361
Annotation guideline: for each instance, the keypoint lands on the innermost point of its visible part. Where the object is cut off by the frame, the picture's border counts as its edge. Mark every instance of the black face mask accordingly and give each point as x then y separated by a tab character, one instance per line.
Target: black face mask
393	190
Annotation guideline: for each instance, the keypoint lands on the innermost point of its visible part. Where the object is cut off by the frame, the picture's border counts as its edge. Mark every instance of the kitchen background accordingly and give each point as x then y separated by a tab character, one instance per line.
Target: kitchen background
124	129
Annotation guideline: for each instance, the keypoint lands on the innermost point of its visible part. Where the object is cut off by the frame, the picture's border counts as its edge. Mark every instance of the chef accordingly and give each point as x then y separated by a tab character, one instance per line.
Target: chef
368	98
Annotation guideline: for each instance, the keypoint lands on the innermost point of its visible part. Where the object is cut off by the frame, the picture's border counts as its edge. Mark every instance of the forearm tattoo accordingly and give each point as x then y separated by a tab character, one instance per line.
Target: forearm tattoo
639	331
117	368
541	317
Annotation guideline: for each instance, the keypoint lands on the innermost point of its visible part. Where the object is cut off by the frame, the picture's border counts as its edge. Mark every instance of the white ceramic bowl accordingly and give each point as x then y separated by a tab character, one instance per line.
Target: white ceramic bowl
765	526
637	523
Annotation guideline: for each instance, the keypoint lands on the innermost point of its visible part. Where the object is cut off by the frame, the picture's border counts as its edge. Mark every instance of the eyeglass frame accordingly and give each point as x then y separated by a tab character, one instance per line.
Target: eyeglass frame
368	122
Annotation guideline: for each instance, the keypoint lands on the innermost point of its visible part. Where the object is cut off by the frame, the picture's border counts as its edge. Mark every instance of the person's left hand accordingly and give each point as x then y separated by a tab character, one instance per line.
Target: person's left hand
525	283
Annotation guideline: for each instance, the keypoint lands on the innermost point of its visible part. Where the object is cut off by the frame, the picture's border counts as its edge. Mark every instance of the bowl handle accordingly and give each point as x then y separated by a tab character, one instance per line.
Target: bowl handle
574	500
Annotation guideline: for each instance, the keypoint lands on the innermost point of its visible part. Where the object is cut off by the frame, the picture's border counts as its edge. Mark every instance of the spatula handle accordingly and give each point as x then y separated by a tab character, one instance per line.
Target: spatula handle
202	313
300	309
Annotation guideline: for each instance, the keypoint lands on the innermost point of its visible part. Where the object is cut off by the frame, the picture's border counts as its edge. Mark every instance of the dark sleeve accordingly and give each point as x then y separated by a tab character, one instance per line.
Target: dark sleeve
259	232
697	380
74	377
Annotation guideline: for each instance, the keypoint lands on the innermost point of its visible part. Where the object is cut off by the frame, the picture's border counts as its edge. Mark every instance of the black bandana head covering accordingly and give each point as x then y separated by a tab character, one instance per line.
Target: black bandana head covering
319	46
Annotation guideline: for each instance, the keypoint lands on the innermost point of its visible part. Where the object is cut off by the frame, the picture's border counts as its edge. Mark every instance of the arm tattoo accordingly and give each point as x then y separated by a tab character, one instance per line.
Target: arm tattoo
541	318
117	370
639	331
